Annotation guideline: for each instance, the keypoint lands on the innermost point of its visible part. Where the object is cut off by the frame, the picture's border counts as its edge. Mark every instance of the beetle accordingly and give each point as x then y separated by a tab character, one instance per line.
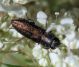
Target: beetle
32	31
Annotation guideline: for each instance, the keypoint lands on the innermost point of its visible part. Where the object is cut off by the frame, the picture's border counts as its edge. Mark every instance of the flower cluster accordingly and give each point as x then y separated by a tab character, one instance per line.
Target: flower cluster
71	41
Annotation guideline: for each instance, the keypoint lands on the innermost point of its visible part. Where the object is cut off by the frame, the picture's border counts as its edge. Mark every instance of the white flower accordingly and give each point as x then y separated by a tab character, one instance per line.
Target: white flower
52	26
3	25
70	36
41	17
43	62
37	53
56	13
5	2
73	45
70	44
64	41
65	29
17	11
20	1
54	58
61	64
1	44
60	29
14	10
15	33
41	14
64	64
72	61
57	51
65	14
70	40
66	21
